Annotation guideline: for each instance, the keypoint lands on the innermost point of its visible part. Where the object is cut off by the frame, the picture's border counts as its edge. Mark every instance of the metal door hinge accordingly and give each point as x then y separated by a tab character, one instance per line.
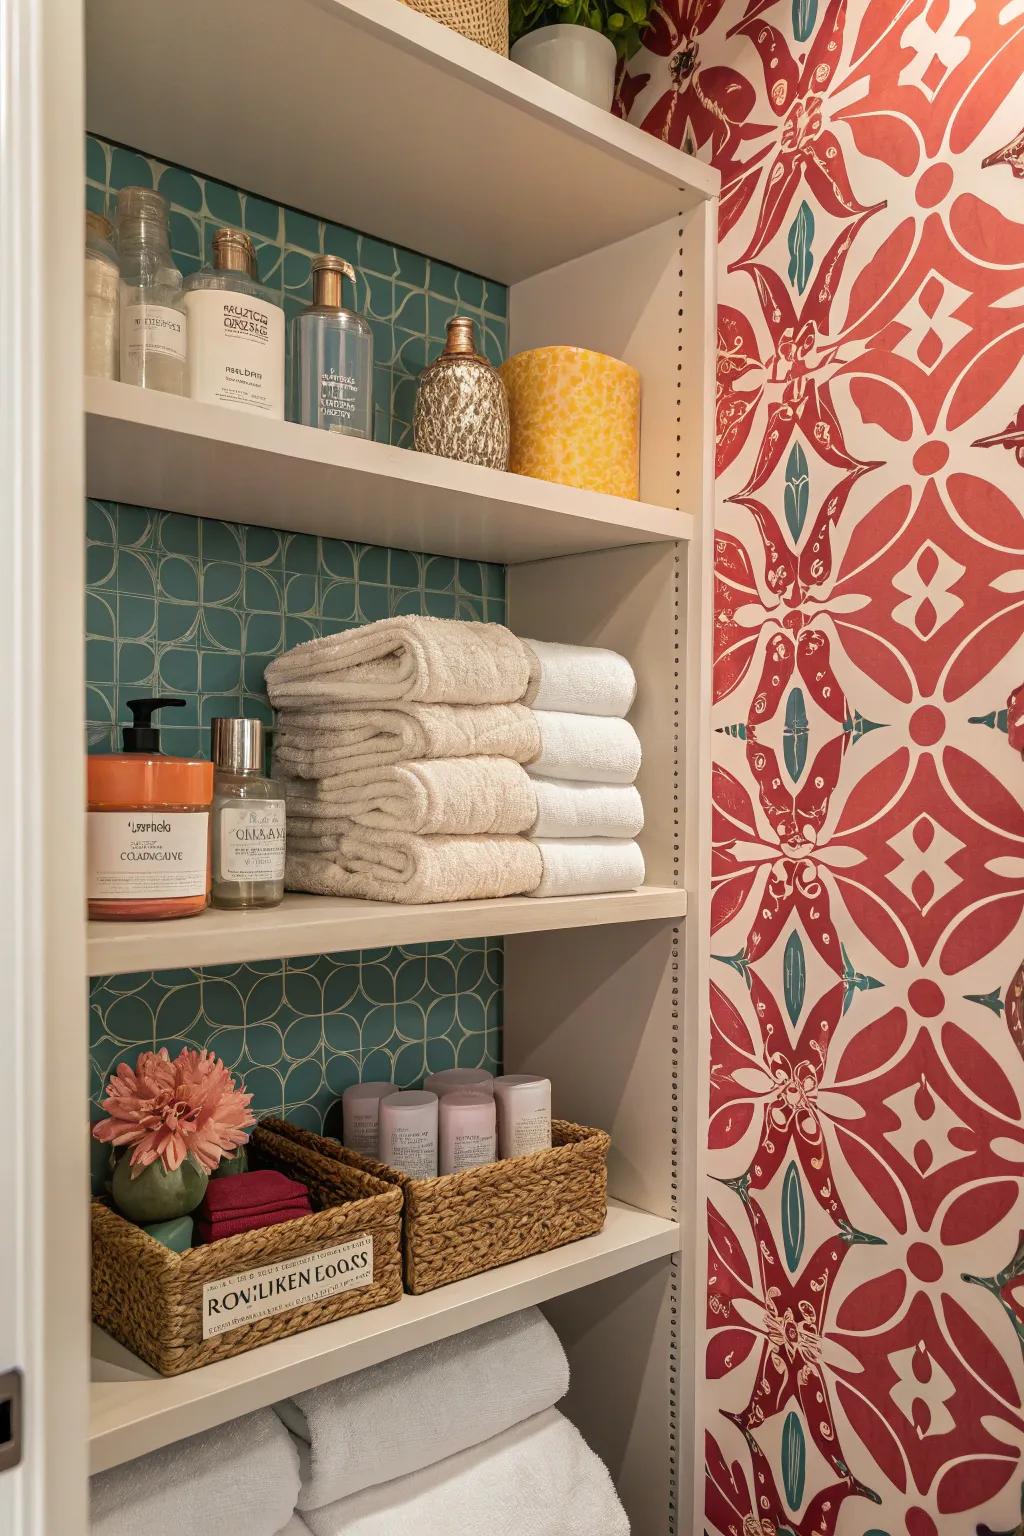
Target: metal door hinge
10	1420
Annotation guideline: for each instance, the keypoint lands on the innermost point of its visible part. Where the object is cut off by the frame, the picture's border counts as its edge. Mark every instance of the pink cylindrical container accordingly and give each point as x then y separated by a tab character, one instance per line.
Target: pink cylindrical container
467	1130
360	1116
408	1134
460	1080
524	1114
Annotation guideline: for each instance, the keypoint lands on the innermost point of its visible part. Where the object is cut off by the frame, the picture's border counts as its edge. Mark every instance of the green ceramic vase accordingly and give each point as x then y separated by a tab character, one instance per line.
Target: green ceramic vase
157	1195
239	1163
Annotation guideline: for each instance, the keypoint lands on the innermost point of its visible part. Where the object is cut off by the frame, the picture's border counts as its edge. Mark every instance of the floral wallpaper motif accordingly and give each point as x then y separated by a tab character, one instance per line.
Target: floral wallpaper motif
866	1271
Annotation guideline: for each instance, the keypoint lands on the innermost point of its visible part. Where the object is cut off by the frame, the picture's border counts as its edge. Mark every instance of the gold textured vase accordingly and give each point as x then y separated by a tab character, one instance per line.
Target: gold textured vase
575	419
461	405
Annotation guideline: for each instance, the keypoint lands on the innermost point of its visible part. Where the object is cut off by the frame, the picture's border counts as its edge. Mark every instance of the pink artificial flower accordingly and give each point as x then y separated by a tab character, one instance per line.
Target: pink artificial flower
189	1107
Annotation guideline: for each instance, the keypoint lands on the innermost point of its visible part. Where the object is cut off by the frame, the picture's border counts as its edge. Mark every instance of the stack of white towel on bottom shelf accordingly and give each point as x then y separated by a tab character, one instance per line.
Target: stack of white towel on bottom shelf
459	1436
431	760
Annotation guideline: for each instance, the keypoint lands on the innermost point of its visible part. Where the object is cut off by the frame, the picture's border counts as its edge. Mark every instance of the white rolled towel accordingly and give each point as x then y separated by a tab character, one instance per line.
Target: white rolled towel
430	661
377	865
538	1479
574	808
581	678
594	748
241	1479
464	795
420	1408
330	743
585	866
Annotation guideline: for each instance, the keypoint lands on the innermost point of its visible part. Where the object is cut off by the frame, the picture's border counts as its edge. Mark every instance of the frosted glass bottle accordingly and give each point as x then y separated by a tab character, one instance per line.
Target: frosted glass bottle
235	331
248	819
154	339
102	298
332	357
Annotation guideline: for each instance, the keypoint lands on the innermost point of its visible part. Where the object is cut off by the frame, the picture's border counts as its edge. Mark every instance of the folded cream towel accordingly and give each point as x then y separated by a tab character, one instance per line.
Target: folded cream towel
464	795
296	1527
405	867
241	1479
411	1412
322	744
573	808
583	866
583	678
538	1479
431	661
589	747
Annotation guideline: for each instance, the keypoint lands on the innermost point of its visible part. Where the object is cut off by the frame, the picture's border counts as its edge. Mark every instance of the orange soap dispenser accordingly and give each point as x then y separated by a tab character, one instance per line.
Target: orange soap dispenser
148	836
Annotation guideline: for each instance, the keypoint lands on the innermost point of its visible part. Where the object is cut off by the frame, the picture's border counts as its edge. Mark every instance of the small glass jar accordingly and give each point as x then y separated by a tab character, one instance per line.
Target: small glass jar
248	819
102	278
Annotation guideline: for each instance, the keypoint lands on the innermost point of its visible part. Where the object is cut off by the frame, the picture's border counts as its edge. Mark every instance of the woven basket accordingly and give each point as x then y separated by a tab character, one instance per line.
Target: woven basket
464	1223
151	1299
482	21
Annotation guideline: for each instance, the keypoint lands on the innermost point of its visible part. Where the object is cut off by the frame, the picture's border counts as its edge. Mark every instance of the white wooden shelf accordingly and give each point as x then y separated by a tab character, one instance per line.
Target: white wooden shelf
155	450
313	925
374	116
134	1411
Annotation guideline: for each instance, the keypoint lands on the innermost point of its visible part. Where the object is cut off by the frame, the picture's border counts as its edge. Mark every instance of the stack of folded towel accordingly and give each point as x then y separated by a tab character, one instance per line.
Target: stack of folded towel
431	760
458	1436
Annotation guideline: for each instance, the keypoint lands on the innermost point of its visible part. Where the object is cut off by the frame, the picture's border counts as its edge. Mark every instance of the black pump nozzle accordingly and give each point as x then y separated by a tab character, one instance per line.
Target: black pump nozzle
142	735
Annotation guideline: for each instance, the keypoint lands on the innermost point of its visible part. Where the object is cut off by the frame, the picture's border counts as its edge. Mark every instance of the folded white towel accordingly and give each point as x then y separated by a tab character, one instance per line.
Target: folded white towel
538	1479
322	744
432	661
465	795
583	678
597	749
405	867
241	1479
413	1411
583	866
573	808
296	1527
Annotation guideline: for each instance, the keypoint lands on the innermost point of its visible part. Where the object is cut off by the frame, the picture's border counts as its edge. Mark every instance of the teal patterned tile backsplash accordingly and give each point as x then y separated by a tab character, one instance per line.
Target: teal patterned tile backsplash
197	607
407	298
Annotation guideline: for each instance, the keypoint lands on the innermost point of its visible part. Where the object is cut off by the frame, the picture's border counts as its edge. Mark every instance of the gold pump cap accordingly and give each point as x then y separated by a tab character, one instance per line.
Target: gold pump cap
328	289
233	251
460	337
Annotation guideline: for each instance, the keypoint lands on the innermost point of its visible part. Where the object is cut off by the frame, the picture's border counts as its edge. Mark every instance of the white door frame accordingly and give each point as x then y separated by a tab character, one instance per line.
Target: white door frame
43	1023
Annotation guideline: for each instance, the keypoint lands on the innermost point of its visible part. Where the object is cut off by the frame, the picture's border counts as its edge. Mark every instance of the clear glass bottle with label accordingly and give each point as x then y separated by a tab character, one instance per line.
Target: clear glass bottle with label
153	334
236	331
332	357
248	819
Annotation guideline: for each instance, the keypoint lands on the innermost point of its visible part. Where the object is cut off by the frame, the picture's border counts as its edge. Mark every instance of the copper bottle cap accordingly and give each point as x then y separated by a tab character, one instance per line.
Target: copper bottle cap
460	337
234	251
96	224
328	289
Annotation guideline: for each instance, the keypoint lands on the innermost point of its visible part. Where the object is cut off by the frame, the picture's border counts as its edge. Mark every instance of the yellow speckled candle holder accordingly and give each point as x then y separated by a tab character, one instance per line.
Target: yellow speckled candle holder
575	419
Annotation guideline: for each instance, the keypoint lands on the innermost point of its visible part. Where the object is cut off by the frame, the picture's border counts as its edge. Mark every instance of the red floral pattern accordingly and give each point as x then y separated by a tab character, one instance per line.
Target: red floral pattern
865	1319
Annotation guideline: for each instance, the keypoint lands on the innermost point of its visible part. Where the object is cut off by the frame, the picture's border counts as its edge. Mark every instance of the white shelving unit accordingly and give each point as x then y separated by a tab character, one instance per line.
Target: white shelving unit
606	237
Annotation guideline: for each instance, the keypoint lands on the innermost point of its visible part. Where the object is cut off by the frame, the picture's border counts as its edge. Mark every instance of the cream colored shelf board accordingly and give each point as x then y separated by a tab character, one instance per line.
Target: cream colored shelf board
314	925
381	119
152	450
135	1411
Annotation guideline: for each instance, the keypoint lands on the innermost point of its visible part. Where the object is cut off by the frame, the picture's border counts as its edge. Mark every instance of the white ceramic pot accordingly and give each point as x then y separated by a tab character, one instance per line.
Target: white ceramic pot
576	58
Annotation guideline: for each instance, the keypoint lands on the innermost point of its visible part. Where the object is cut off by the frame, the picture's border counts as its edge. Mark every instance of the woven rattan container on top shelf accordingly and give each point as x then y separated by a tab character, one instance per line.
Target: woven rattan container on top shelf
464	1223
483	21
151	1299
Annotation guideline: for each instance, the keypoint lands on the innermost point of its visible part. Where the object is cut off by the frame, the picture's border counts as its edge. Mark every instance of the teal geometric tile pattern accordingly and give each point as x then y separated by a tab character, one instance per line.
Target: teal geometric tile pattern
197	607
407	298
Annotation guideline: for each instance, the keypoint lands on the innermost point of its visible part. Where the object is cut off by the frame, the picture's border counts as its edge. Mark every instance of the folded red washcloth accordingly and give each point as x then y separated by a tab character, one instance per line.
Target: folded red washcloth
244	1202
212	1232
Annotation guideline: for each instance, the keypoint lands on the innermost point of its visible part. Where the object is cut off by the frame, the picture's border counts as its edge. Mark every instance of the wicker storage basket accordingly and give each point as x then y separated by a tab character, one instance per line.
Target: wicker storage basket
464	1223
482	21
151	1299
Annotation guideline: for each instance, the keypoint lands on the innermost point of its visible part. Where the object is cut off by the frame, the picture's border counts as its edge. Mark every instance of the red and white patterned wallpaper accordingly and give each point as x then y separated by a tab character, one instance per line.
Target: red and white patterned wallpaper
866	1296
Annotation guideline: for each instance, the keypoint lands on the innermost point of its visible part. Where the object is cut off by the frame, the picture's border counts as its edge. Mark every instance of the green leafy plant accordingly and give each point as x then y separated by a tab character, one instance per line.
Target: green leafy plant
621	20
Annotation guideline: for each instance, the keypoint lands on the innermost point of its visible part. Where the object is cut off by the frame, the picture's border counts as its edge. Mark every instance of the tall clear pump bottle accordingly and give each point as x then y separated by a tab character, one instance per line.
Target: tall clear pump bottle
153	331
332	357
248	819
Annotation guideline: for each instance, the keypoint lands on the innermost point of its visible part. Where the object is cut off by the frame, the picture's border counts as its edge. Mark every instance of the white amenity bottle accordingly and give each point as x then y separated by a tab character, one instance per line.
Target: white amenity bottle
235	331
